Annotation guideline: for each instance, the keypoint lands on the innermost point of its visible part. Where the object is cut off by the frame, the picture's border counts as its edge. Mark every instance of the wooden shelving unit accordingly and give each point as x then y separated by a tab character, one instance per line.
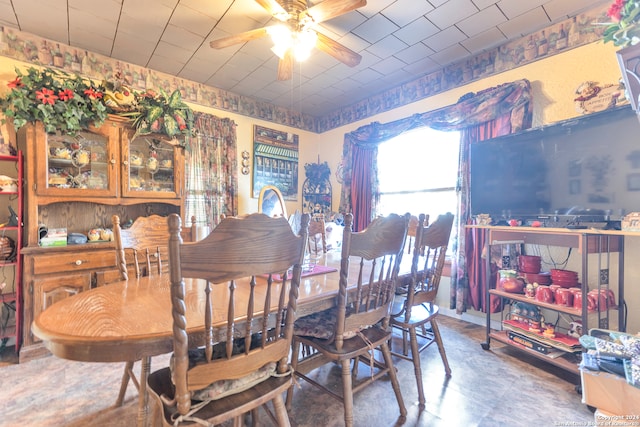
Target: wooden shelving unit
586	241
11	295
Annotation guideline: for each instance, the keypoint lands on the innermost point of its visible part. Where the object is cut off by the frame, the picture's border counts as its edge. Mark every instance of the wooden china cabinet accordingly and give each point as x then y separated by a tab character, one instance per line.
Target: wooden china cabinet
77	183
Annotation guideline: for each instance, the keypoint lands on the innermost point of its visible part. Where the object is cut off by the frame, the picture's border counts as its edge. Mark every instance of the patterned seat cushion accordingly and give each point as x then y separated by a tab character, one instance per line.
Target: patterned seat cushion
321	325
223	388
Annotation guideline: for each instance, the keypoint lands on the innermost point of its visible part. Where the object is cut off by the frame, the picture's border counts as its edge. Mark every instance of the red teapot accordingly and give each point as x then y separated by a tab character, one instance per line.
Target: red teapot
510	282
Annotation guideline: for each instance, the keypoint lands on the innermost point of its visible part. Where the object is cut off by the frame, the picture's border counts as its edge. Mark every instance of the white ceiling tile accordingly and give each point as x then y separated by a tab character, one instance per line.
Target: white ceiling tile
84	21
108	10
388	66
346	84
148	31
213	9
483	4
366	75
147	11
451	12
445	38
386	47
132	49
396	78
165	65
192	20
416	31
91	41
423	66
172	51
525	24
35	16
513	8
195	74
375	29
561	9
343	24
7	16
484	41
374	6
450	55
182	38
414	53
402	12
481	21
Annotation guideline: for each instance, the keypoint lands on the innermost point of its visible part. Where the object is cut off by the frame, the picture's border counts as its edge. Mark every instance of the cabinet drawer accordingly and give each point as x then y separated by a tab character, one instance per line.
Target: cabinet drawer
78	261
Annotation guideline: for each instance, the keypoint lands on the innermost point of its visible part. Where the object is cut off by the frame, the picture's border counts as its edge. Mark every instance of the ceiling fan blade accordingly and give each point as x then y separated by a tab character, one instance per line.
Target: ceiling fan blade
239	38
331	8
338	51
285	66
274	8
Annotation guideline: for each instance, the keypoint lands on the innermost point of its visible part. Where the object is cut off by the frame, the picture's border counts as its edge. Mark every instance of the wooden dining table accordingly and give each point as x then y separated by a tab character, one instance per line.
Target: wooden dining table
131	319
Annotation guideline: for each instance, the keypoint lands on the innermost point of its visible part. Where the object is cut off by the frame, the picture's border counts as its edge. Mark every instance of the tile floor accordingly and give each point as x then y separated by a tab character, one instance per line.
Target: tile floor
499	387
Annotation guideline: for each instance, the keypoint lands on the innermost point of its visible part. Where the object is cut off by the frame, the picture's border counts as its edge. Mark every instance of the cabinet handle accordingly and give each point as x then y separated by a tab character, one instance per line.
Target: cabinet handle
113	160
79	262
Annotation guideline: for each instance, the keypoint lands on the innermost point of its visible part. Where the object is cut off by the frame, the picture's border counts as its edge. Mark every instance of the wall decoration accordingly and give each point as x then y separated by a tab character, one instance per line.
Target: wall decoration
592	97
245	162
316	189
275	161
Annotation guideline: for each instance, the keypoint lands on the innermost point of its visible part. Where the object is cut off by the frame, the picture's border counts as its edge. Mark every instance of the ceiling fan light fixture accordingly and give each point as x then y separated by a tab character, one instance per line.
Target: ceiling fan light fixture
282	39
303	42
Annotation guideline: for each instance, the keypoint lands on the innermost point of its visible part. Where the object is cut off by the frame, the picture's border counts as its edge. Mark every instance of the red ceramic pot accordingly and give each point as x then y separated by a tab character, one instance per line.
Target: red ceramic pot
564	296
544	294
597	300
577	297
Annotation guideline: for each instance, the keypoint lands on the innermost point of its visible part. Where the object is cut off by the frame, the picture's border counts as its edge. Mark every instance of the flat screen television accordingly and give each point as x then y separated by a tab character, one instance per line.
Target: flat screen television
588	166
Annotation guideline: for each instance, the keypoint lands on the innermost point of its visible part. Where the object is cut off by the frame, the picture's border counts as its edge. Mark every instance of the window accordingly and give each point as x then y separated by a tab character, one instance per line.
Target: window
417	173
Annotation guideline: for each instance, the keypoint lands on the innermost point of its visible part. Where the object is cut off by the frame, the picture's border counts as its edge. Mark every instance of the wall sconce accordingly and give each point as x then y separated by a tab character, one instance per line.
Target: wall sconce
245	162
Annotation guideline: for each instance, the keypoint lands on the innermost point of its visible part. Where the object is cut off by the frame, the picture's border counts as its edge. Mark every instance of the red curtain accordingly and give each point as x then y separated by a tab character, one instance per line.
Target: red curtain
361	187
475	239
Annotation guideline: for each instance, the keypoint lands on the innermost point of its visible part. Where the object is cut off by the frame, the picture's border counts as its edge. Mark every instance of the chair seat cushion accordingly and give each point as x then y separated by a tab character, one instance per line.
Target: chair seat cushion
321	325
223	388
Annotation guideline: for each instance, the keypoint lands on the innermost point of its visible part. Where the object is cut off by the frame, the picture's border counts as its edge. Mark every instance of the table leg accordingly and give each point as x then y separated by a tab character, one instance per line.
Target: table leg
143	407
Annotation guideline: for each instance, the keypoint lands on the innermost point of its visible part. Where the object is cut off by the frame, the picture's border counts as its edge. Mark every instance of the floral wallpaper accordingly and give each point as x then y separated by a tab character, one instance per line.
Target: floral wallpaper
549	41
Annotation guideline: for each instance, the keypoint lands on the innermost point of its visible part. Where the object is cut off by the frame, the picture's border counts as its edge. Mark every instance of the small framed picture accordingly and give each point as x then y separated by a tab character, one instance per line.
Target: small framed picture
633	182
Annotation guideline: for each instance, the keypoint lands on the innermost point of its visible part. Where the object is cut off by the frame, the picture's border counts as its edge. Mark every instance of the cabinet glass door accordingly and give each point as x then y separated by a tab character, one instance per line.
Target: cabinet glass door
81	164
151	168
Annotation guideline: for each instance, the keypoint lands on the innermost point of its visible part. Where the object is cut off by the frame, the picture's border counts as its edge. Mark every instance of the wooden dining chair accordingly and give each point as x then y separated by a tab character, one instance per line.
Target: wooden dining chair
359	324
412	312
141	250
317	228
246	366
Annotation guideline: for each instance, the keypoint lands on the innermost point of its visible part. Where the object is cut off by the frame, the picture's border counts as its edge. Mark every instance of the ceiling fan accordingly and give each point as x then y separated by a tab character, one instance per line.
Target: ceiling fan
295	37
